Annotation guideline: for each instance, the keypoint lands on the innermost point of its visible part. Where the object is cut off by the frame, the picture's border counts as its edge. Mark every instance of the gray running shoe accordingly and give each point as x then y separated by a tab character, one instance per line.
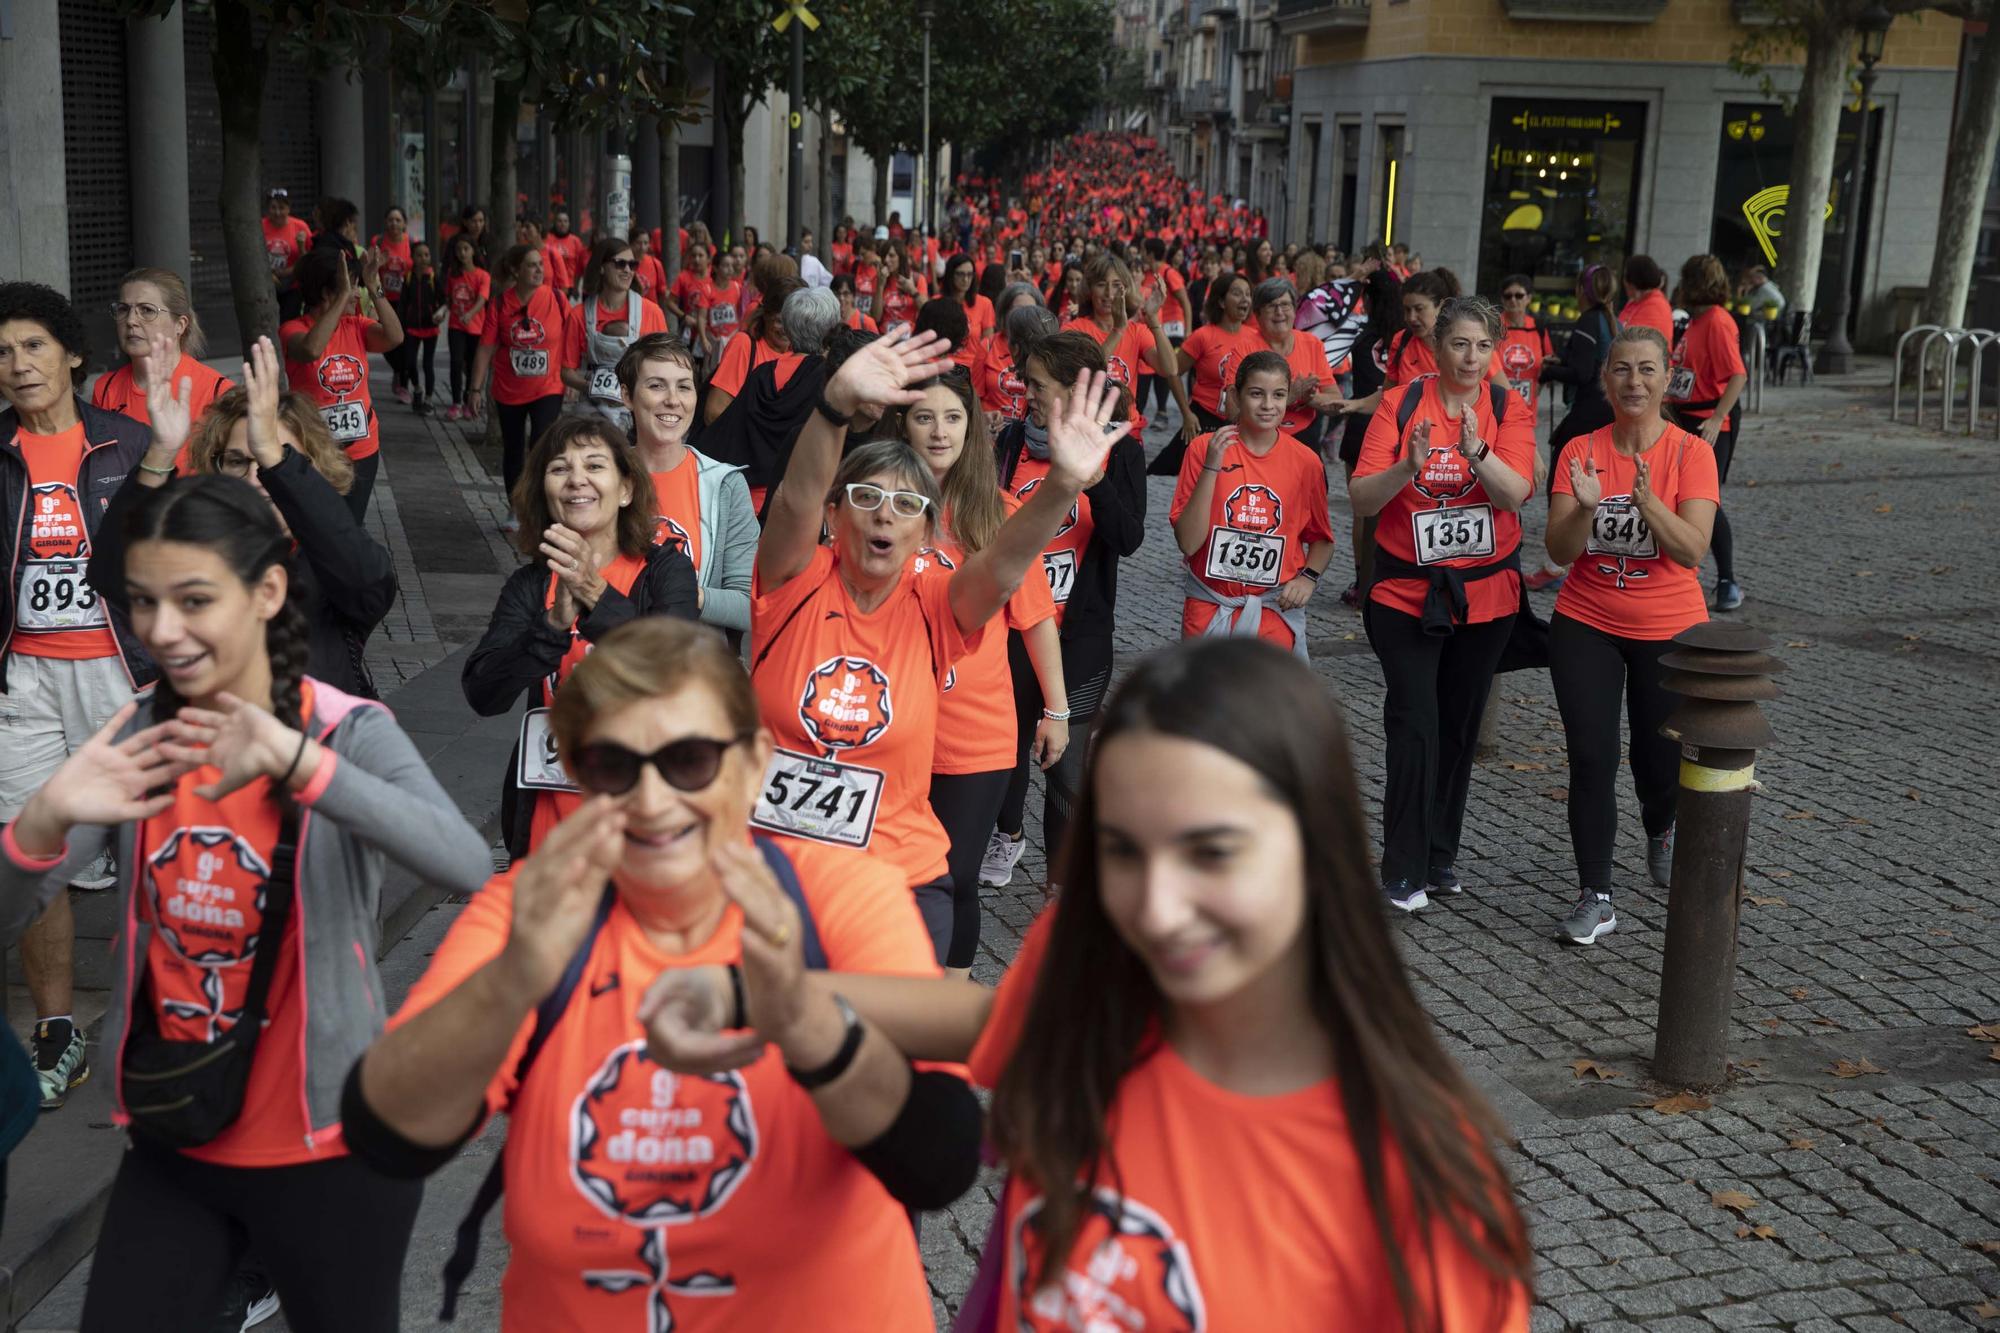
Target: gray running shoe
1405	896
1591	918
1660	858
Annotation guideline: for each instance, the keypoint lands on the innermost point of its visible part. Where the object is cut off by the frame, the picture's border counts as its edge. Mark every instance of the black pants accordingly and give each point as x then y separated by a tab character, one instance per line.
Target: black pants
520	427
364	485
1437	686
464	347
330	1234
1087	676
936	905
968	805
1167	463
1591	670
1722	541
421	354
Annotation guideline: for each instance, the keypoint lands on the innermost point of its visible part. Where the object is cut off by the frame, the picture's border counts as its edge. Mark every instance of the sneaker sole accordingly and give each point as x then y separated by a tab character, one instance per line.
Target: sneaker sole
1597	932
260	1310
55	1103
986	881
1414	902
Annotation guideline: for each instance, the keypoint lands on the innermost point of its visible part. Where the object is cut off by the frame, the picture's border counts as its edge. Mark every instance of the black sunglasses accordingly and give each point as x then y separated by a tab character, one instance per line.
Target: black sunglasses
625	264
688	764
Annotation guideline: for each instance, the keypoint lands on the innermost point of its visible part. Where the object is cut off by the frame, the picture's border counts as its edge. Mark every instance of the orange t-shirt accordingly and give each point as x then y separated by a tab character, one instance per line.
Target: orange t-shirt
636	1196
1227	1209
1001	388
1307	358
552	807
1519	357
56	611
857	320
851	698
1264	514
1415	356
1651	309
1132	357
651	320
1216	352
464	291
396	263
977	731
115	392
526	340
337	383
205	866
899	308
1173	306
1064	552
1707	357
1622	583
979	320
686	290
724	305
677	492
651	278
743	354
1411	524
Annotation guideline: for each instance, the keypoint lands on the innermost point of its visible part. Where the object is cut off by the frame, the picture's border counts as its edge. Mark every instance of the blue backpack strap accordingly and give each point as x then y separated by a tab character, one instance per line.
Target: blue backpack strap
788	880
465	1250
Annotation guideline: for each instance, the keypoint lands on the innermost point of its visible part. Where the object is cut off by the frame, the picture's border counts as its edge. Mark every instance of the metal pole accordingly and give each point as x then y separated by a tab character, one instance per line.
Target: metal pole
795	187
1837	357
924	162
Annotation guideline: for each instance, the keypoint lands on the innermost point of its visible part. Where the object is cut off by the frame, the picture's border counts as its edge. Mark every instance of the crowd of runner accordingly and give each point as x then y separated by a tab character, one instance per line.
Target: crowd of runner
821	557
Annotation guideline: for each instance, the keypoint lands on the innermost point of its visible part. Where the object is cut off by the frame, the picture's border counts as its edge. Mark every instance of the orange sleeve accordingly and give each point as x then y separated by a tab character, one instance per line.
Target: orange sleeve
1191	464
652	319
1383	441
473	941
734	368
862	908
1559	474
1031	603
1698	472
489	335
1315	360
1318	526
572	343
1010	1005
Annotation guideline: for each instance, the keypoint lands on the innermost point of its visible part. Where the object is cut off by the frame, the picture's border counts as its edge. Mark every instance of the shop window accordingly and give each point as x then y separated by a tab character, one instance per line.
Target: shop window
1561	177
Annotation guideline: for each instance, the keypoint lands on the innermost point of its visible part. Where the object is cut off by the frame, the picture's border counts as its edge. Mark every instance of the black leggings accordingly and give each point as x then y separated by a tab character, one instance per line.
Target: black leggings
968	805
1722	540
520	426
330	1234
464	346
422	353
363	485
1591	670
1437	687
1087	677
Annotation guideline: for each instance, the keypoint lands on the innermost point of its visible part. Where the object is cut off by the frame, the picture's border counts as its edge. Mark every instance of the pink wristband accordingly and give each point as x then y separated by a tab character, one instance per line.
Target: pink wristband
322	776
23	859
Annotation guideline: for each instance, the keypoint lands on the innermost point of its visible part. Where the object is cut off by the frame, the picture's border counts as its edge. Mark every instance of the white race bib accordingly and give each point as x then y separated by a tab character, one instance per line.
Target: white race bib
1254	558
1465	533
538	768
529	363
722	315
1060	566
1617	528
55	598
820	799
346	422
1174	328
604	385
1525	389
1680	385
392	281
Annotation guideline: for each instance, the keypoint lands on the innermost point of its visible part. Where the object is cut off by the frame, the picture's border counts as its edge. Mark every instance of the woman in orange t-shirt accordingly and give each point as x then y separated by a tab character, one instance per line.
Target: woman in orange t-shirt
153	307
849	650
851	313
521	349
1213	351
773	1188
980	317
973	759
1703	389
1630	512
234	753
326	357
1445	477
1128	328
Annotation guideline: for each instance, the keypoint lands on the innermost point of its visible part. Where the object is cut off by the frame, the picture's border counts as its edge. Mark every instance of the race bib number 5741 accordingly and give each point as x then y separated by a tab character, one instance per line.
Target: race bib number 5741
822	799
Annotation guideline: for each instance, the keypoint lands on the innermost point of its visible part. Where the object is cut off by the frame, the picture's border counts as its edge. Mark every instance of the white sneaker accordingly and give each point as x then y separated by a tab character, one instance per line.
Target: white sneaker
996	868
99	874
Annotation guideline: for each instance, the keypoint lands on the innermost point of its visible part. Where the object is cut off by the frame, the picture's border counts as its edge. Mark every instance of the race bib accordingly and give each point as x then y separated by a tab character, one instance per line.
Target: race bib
1618	528
279	258
820	799
1174	328
1465	533
1524	388
55	598
538	768
346	422
529	363
722	316
1680	385
392	281
604	384
1060	566
1235	556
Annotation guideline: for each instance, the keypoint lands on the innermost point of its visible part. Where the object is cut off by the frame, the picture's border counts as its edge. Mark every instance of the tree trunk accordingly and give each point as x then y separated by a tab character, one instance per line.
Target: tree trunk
1816	125
240	61
501	204
670	197
826	219
1968	167
733	113
882	162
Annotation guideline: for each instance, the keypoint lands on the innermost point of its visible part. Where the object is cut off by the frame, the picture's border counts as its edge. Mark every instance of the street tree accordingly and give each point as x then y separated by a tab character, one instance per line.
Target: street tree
1975	137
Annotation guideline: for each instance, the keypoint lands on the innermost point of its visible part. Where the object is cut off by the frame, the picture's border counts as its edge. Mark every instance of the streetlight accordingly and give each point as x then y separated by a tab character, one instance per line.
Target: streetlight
1837	357
926	10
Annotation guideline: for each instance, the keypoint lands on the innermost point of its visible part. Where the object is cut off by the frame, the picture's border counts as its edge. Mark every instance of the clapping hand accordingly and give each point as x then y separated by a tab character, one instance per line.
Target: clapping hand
570	560
556	892
1584	482
686	1013
1468	436
1642	484
1416	449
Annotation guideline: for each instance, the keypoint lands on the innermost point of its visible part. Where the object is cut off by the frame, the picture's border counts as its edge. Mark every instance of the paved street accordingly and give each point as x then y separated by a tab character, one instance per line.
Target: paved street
1871	935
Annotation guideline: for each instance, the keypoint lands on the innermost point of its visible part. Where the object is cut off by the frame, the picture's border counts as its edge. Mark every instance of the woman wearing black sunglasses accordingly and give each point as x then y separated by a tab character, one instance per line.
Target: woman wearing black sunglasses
849	649
636	1194
612	316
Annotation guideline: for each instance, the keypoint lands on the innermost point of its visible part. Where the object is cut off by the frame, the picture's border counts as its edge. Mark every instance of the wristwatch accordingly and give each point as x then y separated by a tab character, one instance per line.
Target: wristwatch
1480	457
850	1046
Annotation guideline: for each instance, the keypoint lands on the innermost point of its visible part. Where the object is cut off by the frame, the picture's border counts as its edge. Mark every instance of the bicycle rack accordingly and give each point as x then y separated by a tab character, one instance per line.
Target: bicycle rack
1979	338
1951	338
1754	391
1896	399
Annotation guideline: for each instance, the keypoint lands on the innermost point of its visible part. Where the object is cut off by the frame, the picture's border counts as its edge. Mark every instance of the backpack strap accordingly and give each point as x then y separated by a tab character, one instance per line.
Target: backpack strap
1413	396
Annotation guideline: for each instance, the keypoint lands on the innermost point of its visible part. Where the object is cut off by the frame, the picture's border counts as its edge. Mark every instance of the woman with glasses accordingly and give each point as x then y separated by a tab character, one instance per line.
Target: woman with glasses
771	1189
153	309
851	313
1309	394
587	518
611	317
1524	345
850	649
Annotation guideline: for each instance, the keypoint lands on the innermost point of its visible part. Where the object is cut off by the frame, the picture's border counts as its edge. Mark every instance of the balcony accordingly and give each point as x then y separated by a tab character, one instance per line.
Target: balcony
1206	98
1220	10
1585	11
1303	18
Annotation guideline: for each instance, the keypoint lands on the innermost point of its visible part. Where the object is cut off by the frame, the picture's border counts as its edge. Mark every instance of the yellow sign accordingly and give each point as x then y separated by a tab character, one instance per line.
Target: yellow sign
1764	210
798	8
1751	128
1604	121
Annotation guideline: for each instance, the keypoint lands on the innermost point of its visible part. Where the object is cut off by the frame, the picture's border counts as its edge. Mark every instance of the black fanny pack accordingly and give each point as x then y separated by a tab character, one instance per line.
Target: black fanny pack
182	1094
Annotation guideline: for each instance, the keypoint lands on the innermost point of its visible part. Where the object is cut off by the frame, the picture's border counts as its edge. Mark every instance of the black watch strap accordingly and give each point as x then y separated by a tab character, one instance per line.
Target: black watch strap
825	409
850	1046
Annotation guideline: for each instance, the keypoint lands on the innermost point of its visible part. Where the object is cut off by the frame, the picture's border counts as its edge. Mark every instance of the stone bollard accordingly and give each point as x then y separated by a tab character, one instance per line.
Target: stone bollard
1721	670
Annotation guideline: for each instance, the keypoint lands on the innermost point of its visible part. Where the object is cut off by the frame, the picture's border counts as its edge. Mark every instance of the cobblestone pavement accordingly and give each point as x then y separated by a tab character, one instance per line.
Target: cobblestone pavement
1871	931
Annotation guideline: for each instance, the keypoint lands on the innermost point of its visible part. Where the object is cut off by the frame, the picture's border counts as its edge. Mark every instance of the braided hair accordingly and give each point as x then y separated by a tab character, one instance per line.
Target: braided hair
226	515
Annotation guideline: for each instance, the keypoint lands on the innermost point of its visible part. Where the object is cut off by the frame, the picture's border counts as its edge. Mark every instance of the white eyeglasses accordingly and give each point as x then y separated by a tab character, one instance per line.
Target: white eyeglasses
904	504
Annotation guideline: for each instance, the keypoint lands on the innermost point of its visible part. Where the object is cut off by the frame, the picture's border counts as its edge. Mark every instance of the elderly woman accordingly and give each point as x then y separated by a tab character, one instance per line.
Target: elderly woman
273	439
153	309
71	661
769	1189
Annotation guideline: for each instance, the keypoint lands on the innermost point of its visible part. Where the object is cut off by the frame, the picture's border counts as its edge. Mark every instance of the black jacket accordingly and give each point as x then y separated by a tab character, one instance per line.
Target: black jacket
521	649
1583	356
757	430
1118	528
346	581
113	446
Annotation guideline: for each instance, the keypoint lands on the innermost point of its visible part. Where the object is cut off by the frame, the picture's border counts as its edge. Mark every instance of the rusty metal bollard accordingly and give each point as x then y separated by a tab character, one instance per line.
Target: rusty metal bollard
1721	670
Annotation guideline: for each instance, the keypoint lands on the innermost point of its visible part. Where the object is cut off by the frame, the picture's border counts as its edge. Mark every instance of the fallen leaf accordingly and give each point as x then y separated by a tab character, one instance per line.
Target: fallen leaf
1986	1310
1801	1145
1798	992
1853	1068
1557	793
1913	795
1679	1104
1761	1233
1993	1053
1735	1199
1763	900
1984	1246
1528	768
1798	643
1885	509
1583	1067
1864	573
1896	1317
1912	638
1777	874
1940	569
1984	1032
1751	482
1801	814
